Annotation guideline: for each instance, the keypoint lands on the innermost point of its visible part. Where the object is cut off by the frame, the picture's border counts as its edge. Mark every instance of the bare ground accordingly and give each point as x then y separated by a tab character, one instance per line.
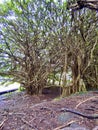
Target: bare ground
46	112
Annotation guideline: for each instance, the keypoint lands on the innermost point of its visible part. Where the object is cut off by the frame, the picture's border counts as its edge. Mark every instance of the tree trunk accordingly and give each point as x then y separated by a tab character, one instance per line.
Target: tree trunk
78	84
63	77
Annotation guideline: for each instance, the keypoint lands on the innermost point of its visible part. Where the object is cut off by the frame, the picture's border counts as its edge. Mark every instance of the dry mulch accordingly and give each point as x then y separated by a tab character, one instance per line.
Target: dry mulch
44	112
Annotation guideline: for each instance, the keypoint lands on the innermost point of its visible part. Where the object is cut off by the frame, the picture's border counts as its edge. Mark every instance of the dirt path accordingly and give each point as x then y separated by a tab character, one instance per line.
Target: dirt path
45	112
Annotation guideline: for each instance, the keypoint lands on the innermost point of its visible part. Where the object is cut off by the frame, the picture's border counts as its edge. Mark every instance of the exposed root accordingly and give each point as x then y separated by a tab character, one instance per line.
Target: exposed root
80	114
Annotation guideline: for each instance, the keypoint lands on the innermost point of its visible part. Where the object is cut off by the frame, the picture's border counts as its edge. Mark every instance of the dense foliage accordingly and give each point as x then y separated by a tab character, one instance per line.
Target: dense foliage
41	42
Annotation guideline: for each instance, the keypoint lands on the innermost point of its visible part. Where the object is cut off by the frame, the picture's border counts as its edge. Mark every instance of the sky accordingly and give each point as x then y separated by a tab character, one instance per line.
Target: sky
1	1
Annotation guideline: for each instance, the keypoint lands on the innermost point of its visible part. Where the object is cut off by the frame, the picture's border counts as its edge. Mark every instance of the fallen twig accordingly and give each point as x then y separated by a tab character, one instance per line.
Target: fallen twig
12	113
65	125
21	114
45	108
27	123
1	125
85	101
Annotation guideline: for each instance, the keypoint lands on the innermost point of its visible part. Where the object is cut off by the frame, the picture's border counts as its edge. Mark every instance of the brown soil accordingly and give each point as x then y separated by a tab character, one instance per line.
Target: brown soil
44	112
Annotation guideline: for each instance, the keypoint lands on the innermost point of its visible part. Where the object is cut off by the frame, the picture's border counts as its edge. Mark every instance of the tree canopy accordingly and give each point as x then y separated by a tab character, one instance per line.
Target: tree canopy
40	43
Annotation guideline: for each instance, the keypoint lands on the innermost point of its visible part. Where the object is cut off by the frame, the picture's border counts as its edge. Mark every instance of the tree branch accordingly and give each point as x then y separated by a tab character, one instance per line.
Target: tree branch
91	4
